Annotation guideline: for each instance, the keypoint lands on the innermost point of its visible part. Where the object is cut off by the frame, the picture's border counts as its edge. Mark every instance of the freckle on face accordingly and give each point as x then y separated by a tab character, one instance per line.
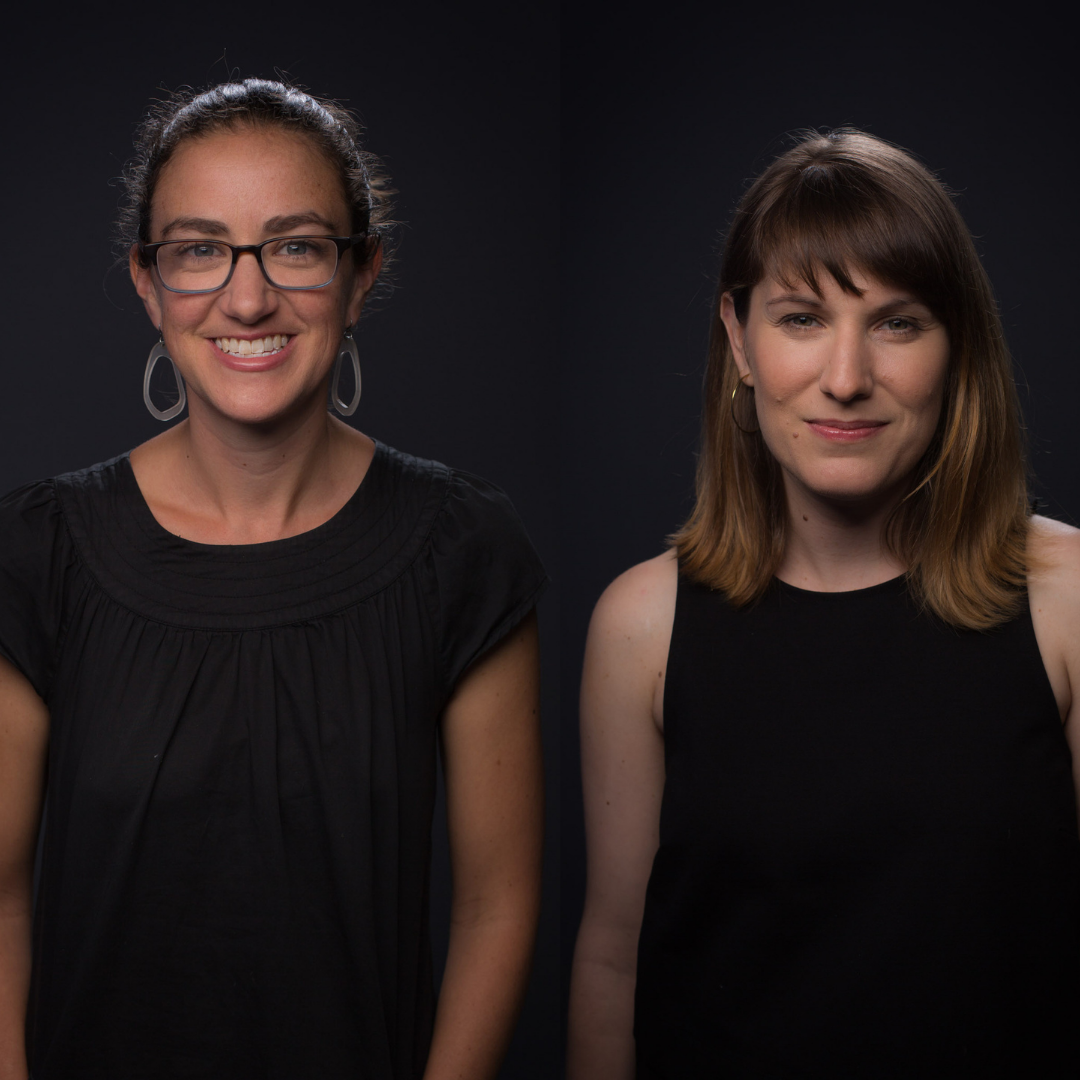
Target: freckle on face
794	383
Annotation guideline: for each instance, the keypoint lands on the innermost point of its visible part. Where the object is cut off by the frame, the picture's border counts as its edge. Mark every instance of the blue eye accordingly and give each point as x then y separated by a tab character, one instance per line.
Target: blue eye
198	250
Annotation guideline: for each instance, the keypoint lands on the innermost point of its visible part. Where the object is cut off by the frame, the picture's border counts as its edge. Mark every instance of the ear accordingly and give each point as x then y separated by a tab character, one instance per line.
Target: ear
363	282
736	333
143	279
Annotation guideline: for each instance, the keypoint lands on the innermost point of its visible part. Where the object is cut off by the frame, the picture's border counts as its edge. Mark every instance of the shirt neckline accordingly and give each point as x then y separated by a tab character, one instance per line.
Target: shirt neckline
159	576
156	533
891	585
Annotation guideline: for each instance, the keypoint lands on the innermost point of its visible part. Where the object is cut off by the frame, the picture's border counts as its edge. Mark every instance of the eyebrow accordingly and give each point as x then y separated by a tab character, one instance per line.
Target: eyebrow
197	226
809	300
794	298
294	221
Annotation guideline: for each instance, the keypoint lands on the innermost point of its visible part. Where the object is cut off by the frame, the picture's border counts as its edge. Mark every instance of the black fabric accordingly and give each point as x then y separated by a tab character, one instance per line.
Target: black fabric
241	781
868	862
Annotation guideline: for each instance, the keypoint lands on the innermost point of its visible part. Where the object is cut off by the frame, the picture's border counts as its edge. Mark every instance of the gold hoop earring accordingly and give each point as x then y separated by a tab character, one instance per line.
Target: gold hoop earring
734	418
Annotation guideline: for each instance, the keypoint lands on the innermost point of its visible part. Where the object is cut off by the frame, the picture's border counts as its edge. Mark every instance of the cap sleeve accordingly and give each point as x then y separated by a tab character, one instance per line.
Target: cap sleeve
486	571
31	574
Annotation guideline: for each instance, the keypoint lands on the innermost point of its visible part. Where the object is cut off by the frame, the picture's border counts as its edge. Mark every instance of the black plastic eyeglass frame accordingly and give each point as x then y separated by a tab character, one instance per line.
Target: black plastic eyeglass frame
344	243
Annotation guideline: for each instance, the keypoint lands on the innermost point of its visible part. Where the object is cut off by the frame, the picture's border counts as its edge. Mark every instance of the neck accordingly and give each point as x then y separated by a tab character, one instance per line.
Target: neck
214	480
836	546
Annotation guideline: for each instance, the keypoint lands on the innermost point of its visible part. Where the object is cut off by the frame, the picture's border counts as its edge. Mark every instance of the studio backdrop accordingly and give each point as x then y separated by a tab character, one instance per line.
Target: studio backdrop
564	184
664	123
462	106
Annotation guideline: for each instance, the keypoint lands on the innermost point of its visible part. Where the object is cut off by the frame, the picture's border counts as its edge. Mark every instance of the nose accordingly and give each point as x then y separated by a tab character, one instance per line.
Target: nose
248	297
847	374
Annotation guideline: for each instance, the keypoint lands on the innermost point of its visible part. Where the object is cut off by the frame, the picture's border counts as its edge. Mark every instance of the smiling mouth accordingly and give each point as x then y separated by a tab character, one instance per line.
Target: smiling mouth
265	346
847	425
846	431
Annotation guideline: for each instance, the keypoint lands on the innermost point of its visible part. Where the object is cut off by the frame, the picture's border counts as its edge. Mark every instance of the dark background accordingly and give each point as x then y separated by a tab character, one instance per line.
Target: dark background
665	119
565	187
462	104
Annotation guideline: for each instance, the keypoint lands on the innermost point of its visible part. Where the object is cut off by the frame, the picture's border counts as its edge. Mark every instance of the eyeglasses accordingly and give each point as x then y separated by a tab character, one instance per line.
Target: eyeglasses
287	262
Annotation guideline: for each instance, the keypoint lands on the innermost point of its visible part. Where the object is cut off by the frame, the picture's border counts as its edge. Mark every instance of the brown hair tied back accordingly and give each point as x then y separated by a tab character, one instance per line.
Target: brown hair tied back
833	204
186	114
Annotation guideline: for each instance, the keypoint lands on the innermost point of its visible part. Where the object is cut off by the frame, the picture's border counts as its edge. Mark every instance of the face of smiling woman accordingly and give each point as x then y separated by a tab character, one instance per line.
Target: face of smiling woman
848	389
251	352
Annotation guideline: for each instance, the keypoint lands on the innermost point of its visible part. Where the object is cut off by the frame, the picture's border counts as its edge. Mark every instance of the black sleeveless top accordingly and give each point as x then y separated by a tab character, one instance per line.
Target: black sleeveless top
234	872
868	864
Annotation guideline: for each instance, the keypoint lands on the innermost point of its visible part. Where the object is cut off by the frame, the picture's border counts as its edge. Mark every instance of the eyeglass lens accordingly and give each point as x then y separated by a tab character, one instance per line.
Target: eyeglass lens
297	262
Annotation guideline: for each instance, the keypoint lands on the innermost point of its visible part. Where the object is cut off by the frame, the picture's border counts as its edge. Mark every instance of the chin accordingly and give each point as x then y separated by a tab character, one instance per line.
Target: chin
259	409
850	487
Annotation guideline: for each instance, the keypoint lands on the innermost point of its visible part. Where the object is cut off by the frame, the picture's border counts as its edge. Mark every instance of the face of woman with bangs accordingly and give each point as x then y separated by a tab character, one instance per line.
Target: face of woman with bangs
848	386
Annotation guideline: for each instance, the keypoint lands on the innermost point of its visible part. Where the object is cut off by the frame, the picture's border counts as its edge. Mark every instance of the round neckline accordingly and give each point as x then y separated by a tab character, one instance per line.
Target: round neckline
155	531
355	554
893	584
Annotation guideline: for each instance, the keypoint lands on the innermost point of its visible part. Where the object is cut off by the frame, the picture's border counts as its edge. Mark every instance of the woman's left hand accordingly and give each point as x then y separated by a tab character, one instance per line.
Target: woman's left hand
494	796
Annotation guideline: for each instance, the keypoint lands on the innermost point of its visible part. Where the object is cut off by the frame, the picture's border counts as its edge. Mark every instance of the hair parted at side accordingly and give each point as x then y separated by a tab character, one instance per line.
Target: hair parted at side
834	204
187	114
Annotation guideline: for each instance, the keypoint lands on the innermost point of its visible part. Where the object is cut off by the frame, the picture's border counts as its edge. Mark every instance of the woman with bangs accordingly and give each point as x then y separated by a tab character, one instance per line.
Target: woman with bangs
830	802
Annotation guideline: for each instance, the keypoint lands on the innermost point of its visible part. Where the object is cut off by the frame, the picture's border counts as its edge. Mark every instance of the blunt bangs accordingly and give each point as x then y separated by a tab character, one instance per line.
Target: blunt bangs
841	211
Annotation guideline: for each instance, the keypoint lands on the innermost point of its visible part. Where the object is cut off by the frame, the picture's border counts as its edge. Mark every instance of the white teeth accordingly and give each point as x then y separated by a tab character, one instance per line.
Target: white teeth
259	347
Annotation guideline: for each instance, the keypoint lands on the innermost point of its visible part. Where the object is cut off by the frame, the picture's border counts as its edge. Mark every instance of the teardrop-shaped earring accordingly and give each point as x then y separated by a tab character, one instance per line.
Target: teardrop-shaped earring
346	349
157	353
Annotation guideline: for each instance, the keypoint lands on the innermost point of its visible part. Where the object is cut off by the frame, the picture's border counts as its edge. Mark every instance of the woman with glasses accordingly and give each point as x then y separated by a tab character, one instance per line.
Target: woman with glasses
232	652
831	815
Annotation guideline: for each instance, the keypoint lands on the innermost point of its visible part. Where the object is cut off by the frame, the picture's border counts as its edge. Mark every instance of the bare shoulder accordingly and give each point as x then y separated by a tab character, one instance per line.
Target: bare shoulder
1044	528
1055	550
640	603
1054	598
630	632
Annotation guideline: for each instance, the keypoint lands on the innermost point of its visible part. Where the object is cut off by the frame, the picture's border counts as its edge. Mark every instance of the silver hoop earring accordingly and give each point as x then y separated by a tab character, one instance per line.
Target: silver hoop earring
346	349
156	353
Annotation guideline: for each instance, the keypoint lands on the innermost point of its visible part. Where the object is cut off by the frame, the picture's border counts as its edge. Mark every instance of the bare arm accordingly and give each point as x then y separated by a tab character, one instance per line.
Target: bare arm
24	727
494	792
1070	636
1054	595
622	752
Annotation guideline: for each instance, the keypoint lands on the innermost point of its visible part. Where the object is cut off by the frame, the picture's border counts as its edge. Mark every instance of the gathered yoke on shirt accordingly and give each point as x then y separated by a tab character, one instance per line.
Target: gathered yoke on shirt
234	876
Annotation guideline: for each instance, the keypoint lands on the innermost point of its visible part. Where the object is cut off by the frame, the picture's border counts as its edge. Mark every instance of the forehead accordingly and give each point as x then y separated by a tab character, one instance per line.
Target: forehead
247	176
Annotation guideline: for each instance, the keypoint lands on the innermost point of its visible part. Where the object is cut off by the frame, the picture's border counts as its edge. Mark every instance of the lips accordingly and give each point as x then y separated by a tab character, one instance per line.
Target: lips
846	430
849	425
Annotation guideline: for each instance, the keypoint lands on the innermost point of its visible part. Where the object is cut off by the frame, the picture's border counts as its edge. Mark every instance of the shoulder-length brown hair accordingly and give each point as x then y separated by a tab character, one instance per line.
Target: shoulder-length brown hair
837	203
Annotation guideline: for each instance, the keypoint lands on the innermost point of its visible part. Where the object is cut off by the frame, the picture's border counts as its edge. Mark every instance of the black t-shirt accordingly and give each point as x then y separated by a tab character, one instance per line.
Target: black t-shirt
241	777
